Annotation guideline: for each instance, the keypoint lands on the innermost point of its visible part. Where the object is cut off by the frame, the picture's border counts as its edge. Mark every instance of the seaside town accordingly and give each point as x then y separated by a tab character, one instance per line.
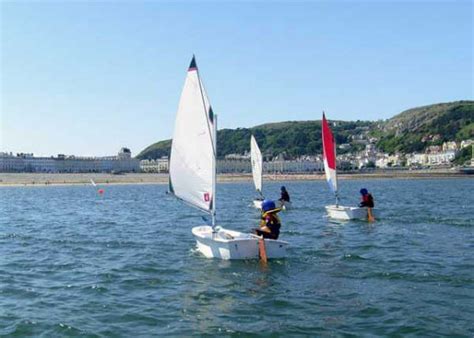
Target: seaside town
435	157
236	168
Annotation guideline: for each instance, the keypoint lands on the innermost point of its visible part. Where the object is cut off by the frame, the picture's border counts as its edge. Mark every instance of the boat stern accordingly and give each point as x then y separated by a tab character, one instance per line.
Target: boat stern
347	213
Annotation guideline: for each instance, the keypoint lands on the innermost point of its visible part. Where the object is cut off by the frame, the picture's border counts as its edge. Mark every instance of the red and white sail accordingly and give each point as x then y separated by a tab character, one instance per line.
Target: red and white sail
329	155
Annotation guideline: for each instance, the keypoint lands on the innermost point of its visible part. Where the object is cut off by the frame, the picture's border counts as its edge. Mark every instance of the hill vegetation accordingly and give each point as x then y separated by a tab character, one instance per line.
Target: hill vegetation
412	130
464	156
290	139
415	129
156	150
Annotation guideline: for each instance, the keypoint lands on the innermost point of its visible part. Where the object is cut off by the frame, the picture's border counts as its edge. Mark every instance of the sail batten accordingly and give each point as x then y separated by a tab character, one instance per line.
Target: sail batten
192	159
329	155
257	164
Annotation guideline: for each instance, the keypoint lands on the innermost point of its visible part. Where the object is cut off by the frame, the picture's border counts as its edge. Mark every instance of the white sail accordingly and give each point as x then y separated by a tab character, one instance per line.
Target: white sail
192	160
257	164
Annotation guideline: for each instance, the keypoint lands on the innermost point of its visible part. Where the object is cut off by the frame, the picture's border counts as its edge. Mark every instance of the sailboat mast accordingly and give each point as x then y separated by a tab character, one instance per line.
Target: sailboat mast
214	170
336	193
213	132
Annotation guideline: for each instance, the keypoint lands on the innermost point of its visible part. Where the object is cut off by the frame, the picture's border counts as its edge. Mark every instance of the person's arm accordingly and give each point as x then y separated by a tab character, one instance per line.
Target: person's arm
264	224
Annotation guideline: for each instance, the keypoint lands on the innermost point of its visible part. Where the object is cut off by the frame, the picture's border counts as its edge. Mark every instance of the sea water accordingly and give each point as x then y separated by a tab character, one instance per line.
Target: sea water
76	263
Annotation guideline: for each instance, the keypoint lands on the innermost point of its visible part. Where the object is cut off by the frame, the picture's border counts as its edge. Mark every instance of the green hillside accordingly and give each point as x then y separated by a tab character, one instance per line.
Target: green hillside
156	150
288	138
415	129
412	130
292	138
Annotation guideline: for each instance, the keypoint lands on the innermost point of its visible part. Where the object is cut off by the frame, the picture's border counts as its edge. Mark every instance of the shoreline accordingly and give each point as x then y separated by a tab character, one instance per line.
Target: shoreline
61	179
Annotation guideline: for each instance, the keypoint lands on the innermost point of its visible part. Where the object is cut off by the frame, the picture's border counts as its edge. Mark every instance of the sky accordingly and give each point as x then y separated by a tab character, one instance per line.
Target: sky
87	78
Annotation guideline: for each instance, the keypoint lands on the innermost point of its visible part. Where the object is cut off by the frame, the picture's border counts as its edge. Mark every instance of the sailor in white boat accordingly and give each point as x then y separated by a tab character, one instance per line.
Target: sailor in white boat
367	199
270	223
285	196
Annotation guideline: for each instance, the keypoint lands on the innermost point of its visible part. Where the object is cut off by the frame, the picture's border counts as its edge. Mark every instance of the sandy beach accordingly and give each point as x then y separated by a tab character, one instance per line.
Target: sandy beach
45	179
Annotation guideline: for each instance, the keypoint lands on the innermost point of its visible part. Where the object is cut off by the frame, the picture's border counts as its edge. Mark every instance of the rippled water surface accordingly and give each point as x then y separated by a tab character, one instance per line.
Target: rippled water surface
73	263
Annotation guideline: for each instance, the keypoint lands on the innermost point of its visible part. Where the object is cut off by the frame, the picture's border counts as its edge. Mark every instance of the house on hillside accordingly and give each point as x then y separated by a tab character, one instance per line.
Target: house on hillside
449	145
466	143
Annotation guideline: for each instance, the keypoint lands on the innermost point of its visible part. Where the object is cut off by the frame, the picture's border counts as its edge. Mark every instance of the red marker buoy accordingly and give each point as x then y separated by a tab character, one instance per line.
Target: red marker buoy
100	191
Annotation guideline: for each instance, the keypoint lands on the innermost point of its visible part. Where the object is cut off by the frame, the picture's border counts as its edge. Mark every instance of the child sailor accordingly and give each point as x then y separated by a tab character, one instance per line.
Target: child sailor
270	223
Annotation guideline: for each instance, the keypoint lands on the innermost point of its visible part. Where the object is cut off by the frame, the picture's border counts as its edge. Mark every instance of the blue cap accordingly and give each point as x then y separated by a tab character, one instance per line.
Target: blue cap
268	205
363	191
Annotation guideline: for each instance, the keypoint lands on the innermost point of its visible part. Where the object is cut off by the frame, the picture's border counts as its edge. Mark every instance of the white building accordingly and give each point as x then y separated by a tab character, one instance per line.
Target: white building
347	162
294	166
431	159
441	158
234	165
417	159
277	166
450	145
123	162
382	161
466	143
245	156
160	165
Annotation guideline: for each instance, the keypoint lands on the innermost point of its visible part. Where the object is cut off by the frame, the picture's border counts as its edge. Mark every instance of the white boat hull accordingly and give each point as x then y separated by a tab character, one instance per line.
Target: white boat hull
229	244
347	213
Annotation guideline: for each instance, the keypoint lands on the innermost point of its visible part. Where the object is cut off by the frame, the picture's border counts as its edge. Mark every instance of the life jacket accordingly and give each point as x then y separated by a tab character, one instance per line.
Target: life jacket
271	220
368	200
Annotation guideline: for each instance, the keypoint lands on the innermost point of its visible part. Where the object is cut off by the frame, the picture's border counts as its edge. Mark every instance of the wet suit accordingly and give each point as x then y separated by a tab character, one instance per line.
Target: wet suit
367	201
285	196
269	225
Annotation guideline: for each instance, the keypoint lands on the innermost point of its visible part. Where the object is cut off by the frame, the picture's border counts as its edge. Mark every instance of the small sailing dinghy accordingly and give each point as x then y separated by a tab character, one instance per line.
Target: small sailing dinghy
257	172
192	176
257	169
337	211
